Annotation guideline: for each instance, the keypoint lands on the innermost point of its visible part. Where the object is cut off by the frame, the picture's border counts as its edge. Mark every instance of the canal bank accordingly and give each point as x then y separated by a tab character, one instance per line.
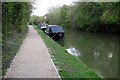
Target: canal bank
69	66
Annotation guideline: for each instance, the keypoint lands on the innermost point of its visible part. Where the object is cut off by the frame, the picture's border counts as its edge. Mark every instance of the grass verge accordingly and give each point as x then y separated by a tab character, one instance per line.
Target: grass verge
69	66
10	47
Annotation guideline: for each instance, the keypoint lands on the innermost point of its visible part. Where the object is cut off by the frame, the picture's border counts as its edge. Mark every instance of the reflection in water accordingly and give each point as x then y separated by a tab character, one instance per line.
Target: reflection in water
97	50
73	51
61	42
110	55
96	54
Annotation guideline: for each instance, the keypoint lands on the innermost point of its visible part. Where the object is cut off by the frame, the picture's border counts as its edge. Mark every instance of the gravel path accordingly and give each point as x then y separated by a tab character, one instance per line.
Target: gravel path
32	60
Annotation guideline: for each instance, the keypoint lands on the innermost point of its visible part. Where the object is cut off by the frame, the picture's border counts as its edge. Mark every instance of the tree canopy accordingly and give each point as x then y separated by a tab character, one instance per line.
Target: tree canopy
15	16
89	16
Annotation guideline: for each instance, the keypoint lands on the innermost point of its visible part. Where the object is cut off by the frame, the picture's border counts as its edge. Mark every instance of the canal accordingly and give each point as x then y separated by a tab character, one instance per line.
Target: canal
99	51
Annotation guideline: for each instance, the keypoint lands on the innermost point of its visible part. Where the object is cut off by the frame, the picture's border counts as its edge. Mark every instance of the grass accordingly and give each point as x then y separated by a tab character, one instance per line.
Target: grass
69	66
10	47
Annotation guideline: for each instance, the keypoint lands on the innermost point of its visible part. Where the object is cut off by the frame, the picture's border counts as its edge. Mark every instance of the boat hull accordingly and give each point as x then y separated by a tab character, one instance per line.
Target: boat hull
43	29
57	36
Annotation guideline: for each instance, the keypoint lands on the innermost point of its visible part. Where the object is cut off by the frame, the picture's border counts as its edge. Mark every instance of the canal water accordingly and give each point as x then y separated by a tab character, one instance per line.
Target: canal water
99	51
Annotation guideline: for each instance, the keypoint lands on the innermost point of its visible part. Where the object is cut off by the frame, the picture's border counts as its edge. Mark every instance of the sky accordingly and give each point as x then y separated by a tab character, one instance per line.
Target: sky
42	6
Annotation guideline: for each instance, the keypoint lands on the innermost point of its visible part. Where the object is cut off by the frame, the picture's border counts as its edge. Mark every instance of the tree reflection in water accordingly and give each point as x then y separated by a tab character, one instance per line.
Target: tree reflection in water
97	50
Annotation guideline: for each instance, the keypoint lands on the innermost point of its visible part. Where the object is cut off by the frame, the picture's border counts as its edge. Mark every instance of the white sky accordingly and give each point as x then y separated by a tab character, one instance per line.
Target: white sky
42	6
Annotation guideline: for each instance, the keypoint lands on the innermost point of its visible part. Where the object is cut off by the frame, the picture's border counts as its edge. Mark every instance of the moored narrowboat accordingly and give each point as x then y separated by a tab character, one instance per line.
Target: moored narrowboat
55	32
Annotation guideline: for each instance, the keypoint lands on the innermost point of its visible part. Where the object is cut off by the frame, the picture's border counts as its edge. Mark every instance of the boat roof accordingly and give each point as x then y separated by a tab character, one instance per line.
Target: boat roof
56	28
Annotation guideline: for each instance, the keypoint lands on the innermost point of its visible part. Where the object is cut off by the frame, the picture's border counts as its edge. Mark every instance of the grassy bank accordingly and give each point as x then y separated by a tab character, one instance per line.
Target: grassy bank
69	66
10	47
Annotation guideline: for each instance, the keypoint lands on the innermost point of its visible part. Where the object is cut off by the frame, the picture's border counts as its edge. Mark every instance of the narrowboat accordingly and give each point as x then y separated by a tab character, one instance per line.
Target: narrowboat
43	28
55	32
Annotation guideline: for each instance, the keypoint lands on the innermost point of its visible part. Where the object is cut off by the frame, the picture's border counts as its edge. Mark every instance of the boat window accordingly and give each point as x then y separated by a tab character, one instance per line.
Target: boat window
47	29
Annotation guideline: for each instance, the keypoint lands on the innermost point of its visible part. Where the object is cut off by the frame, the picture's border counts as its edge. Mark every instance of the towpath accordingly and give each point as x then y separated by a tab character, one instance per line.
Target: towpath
32	60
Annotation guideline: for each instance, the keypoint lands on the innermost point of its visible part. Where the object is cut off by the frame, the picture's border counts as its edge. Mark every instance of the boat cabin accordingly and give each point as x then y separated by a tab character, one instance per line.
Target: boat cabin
55	31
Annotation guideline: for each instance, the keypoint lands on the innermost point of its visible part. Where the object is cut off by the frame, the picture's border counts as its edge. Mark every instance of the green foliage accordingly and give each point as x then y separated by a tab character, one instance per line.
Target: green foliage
89	16
36	19
58	15
15	16
10	47
53	17
63	15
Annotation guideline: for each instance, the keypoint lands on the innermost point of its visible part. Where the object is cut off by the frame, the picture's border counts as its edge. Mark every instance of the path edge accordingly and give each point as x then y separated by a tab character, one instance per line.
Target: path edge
50	56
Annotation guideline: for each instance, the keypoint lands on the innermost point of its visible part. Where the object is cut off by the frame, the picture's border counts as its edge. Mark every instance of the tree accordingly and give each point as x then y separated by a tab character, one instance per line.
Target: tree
15	17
